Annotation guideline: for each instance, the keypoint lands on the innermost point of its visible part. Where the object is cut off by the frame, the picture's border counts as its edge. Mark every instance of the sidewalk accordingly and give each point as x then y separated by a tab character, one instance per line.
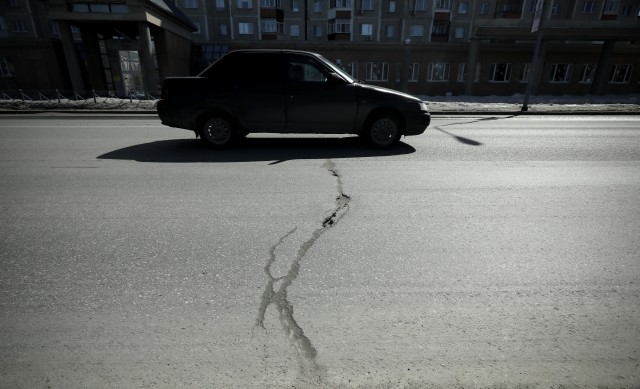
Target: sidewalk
438	105
541	105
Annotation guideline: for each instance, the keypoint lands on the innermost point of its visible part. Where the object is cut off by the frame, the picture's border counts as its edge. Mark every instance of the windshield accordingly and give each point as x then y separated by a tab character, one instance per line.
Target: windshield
337	69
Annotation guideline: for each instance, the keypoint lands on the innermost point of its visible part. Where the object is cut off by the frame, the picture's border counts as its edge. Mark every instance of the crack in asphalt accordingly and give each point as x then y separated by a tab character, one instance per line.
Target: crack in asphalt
277	296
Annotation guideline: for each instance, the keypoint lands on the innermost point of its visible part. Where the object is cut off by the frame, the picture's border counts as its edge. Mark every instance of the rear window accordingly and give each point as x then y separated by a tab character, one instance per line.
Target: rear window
247	67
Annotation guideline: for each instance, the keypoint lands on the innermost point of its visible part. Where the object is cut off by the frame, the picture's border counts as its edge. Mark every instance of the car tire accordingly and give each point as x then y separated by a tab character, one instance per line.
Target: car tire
217	132
383	132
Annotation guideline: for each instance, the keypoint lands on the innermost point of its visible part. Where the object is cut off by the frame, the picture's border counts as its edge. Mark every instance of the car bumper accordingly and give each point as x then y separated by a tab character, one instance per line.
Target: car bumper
169	116
416	122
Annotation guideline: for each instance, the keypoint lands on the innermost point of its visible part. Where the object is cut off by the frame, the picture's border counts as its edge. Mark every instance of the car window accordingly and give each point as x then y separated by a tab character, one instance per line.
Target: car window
301	69
247	67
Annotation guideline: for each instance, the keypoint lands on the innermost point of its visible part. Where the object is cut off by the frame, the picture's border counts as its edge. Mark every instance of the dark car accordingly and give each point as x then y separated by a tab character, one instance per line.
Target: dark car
286	91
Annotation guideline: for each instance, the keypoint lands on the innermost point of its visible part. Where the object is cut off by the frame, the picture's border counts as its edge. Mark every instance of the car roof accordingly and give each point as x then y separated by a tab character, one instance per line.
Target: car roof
286	51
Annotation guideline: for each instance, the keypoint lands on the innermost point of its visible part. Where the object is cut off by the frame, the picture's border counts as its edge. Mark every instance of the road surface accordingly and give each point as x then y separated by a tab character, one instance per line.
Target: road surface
488	252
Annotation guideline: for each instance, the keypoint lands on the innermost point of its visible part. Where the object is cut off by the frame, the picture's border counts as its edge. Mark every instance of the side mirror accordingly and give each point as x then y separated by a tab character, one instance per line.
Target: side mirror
334	80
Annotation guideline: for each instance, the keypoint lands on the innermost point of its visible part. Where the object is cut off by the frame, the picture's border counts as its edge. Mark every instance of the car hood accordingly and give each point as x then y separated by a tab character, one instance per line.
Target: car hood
373	90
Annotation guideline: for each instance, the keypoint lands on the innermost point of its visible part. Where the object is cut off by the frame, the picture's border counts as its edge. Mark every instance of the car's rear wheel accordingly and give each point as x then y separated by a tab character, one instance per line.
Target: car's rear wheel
383	131
217	131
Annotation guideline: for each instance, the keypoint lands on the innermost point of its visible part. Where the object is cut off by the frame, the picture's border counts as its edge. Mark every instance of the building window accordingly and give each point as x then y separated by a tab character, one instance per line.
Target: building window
611	7
340	26
99	8
555	9
366	29
211	53
463	7
442	4
318	6
270	4
271	26
245	4
190	3
14	3
367	5
459	32
79	7
414	72
19	26
54	27
416	30
317	30
525	69
500	72
440	28
220	5
561	73
245	28
392	6
389	31
377	71
197	31
295	5
353	69
621	74
587	73
626	10
420	5
438	72
484	9
587	7
340	3
294	30
509	8
119	8
462	72
6	70
223	29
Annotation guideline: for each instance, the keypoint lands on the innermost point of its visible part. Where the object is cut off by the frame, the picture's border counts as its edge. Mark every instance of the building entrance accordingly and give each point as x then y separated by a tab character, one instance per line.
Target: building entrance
132	77
123	68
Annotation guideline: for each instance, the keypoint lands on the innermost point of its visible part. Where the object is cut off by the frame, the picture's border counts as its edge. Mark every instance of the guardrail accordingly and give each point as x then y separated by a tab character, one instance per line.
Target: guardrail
77	99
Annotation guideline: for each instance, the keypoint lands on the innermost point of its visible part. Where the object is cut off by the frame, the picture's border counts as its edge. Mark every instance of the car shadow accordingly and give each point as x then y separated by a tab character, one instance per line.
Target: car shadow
274	150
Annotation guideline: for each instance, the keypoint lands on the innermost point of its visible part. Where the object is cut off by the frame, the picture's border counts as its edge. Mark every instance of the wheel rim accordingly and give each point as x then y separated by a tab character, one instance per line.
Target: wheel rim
384	131
217	131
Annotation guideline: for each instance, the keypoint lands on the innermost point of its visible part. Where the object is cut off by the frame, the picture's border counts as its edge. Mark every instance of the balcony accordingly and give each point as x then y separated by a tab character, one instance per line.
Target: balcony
271	29
339	30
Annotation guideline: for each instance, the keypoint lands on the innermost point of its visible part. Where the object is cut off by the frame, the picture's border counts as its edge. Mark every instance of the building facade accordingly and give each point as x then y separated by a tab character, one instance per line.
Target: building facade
427	47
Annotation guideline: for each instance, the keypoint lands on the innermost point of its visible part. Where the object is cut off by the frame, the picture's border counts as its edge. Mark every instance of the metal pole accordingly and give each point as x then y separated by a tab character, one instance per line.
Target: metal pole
404	75
533	73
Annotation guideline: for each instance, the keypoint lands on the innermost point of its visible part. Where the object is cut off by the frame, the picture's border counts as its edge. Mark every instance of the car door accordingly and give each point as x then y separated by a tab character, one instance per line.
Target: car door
316	101
257	95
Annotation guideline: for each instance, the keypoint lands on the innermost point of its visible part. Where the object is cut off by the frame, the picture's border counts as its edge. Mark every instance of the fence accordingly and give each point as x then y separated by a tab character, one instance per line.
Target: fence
47	99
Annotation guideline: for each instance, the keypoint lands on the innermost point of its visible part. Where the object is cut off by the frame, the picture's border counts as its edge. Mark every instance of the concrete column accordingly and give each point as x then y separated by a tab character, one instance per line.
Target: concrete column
537	68
600	78
94	60
146	58
173	53
472	61
71	57
404	74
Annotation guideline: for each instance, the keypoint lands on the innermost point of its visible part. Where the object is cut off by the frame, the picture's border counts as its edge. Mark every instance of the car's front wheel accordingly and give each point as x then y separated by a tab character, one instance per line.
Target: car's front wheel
217	132
383	132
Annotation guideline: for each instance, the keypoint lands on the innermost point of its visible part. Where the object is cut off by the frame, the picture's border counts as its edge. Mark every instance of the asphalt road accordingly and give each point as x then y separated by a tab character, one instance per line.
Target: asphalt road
489	252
